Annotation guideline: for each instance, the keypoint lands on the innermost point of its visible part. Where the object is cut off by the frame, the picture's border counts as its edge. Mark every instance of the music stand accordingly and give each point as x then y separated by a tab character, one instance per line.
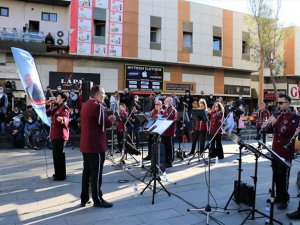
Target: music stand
274	156
142	119
158	128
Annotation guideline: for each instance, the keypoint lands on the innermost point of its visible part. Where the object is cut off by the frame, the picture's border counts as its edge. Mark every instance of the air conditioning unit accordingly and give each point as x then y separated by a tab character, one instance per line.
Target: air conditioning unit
62	38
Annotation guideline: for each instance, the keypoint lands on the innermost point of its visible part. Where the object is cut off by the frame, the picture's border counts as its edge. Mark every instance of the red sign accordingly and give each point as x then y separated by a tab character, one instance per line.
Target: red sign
270	94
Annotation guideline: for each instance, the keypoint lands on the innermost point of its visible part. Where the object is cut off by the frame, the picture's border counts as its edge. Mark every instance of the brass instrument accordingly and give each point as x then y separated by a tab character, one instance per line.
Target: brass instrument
288	145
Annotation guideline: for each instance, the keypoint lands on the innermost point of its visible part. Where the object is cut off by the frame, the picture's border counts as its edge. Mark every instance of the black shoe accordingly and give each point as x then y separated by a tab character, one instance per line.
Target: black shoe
55	178
282	206
148	157
294	215
103	204
169	165
82	204
221	157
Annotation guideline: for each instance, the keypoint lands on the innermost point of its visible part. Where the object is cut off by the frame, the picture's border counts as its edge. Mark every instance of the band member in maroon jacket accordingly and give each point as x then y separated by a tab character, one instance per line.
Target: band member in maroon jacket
155	113
200	128
284	125
216	119
121	120
93	145
59	133
261	116
167	137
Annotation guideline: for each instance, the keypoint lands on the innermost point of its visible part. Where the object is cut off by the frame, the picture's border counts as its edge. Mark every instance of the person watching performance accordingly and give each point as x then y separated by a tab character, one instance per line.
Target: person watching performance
93	145
283	124
200	128
167	137
155	113
216	119
59	113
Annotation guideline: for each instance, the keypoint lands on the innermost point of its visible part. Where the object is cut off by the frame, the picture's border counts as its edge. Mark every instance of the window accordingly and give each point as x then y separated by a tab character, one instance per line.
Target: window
217	45
4	11
100	28
245	48
155	35
52	17
187	39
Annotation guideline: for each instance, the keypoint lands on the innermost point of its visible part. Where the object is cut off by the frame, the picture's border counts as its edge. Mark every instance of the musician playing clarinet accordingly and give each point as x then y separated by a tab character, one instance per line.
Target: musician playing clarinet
155	113
121	120
283	124
200	128
261	116
170	113
216	118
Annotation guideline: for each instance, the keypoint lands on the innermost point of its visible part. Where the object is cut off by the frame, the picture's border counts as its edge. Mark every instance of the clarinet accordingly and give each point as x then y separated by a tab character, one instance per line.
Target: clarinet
266	124
288	145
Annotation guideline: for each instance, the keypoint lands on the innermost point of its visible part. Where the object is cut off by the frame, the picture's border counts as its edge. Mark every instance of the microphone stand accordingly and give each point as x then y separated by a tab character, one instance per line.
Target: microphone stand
207	209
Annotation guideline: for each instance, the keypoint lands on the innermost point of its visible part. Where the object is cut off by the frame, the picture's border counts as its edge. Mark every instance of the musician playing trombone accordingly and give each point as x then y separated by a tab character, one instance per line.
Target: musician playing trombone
283	124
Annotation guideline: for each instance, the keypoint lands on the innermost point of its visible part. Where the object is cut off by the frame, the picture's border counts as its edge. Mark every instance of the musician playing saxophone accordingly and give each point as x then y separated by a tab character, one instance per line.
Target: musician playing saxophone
283	124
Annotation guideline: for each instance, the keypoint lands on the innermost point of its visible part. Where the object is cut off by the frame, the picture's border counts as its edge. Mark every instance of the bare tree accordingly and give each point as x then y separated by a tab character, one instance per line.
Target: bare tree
268	39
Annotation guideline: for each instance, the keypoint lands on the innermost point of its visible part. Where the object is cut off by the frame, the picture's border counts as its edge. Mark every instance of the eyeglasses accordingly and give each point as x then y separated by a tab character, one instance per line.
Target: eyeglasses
280	103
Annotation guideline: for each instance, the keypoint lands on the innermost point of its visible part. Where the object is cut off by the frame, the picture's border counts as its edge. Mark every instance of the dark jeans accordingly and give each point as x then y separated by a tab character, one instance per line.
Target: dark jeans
168	142
92	172
120	136
281	178
264	135
201	137
17	140
216	147
59	158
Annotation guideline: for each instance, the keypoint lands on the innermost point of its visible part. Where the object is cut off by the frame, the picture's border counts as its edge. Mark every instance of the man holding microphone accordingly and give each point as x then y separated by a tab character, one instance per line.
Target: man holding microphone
93	145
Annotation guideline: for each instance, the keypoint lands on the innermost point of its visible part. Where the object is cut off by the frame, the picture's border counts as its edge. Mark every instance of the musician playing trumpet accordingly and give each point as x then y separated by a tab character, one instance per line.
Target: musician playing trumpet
283	124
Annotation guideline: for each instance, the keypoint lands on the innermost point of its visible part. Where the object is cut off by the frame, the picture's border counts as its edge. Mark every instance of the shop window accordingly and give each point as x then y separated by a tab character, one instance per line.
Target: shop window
100	28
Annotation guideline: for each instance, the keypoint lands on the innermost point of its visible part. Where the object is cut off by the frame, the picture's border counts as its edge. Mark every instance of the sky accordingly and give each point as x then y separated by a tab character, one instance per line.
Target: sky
289	13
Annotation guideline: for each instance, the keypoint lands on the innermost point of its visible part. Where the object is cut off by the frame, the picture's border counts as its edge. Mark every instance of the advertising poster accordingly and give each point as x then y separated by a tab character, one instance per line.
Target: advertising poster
144	78
84	48
116	17
116	5
100	50
85	3
84	36
115	39
84	25
85	13
115	50
101	4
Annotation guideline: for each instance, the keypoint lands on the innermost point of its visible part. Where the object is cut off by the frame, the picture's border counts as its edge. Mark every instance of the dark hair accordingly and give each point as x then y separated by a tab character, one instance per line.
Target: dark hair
95	90
62	95
285	96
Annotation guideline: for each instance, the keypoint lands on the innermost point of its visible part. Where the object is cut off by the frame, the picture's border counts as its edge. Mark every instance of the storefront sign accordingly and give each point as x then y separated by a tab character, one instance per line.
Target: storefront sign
9	72
180	87
69	81
294	91
144	78
270	94
236	90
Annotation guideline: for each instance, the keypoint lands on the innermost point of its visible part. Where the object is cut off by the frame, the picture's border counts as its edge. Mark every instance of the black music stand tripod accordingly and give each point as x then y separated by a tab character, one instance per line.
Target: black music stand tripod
207	209
157	129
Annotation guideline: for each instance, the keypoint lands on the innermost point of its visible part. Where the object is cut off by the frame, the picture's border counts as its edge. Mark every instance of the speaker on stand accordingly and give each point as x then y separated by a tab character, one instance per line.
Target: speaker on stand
86	90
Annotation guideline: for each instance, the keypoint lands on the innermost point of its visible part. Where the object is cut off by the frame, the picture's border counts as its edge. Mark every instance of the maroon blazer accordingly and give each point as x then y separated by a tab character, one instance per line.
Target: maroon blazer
93	122
122	120
283	130
262	116
171	114
156	114
216	119
59	130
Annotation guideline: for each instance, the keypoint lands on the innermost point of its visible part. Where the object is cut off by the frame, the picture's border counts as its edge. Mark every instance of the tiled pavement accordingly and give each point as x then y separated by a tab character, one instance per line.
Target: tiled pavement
28	196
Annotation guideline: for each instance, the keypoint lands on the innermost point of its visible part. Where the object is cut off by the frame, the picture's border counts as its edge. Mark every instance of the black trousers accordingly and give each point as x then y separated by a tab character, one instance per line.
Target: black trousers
216	148
168	142
264	135
201	136
92	173
59	158
120	137
281	178
150	144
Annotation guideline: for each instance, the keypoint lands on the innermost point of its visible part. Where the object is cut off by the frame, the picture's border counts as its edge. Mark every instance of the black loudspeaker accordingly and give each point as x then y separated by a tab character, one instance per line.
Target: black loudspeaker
245	193
86	90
